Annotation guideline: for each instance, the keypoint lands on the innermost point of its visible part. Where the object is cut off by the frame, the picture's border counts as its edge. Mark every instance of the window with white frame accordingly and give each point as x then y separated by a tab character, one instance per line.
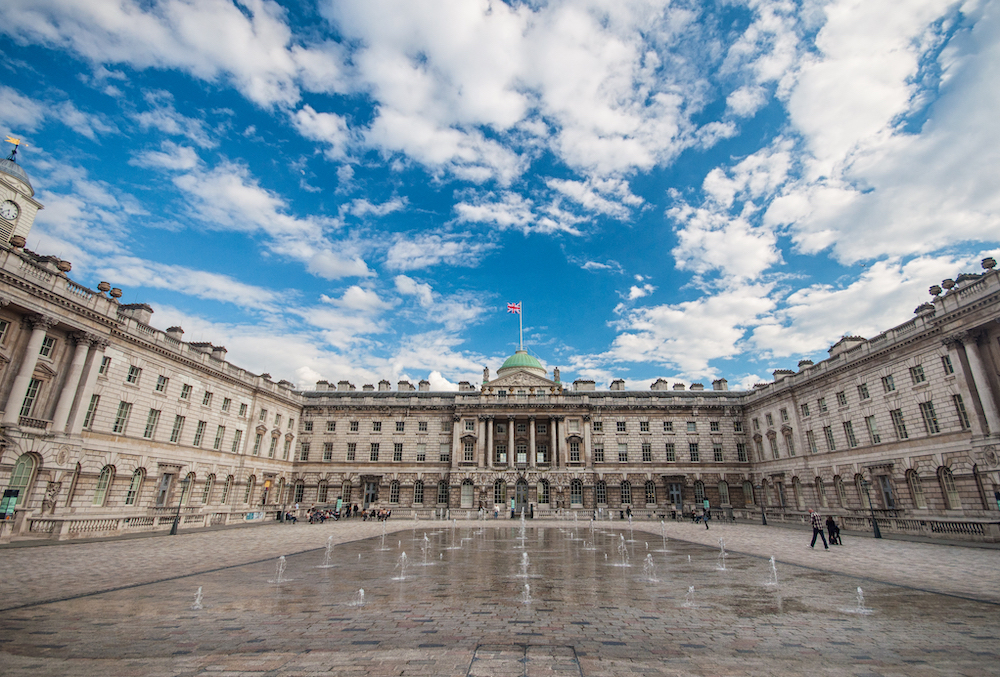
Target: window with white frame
601	493
352	448
186	391
693	452
206	399
304	449
121	418
88	420
151	420
929	417
373	452
574	452
199	433
161	383
888	384
622	452
237	438
226	404
626	491
863	391
48	347
852	441
400	426
917	374
946	364
898	424
418	492
376	426
105	366
133	375
811	441
220	434
175	432
671	453
963	417
598	453
831	443
647	452
397	451
717	453
328	451
421	453
841	399
741	452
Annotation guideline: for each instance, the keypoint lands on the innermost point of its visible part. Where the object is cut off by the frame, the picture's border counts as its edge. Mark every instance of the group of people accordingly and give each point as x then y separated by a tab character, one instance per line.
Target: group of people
382	514
816	520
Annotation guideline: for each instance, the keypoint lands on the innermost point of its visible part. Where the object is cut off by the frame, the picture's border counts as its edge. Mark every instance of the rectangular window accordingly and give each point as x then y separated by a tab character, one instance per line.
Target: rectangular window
421	426
888	384
444	453
574	452
542	429
852	441
598	453
620	426
598	426
917	374
601	493
805	410
226	403
774	447
930	418
199	433
784	415
717	453
863	391
760	449
277	420
272	447
421	453
161	384
354	426
287	448
237	438
30	396
376	426
220	433
622	452
831	444
741	452
668	426
328	451
769	419
647	452
263	416
243	409
397	451
418	492
446	426
898	424
946	363
737	426
352	449
121	418
671	453
644	426
4	327
256	444
331	426
400	426
872	429
48	345
963	417
470	426
841	399
469	452
307	426
821	405
175	432
151	421
713	426
186	391
105	366
304	452
756	424
133	375
88	420
693	452
206	400
373	452
811	441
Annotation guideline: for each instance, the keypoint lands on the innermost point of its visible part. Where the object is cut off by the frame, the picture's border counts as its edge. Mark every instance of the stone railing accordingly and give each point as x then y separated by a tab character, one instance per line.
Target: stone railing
897	522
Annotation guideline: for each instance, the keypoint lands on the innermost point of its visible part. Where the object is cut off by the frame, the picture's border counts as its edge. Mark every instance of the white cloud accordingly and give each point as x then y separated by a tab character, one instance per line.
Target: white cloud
637	292
172	157
329	128
454	311
510	211
363	207
426	250
609	265
710	240
19	113
164	117
611	197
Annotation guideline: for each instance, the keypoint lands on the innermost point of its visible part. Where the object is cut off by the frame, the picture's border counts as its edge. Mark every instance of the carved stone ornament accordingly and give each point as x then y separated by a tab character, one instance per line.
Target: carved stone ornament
990	456
522	379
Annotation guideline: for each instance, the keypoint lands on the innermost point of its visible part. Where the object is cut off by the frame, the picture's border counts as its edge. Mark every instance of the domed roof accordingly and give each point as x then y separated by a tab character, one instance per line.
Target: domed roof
522	360
11	168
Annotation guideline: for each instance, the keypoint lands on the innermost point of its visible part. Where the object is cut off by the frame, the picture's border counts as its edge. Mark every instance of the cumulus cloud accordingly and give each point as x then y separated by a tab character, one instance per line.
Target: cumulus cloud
413	252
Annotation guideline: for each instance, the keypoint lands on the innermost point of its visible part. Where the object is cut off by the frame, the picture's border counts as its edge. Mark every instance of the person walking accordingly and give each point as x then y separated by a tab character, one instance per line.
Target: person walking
817	525
833	530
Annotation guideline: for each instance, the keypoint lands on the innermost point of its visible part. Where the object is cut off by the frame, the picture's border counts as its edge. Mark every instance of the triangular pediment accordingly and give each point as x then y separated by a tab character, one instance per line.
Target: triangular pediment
520	379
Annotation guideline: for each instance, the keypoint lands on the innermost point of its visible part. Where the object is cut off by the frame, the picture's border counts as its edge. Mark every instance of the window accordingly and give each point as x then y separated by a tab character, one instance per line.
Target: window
713	426
446	426
220	433
175	432
769	419
872	429
105	366
442	492
300	490
418	492
811	441
741	452
161	384
226	488
256	444
274	445
186	391
693	451
263	416
821	405
103	482
620	426
930	418
805	410
756	424
898	424
345	491
470	426
226	403
838	483
542	429
400	426
650	492
376	426
574	452
307	426
133	488
331	426
863	391
949	489
647	452
521	428
206	493
248	492
644	426
737	426
789	444
469	452
774	446
352	449
852	441
724	493
121	418
601	493
888	384
717	453
373	452
626	490
668	426
916	489
327	451
88	420
48	345
444	453
4	326
199	433
946	363
151	421
277	420
133	375
237	438
831	444
760	449
699	492
576	493
286	449
421	426
821	492
30	396
421	453
598	453
963	417
784	415
671	453
243	409
622	452
206	399
692	427
917	374
354	426
598	426
543	492
841	399
397	451
322	491
394	491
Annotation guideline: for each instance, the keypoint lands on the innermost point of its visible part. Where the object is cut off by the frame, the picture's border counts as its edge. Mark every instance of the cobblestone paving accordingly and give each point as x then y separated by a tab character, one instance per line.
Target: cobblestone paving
459	607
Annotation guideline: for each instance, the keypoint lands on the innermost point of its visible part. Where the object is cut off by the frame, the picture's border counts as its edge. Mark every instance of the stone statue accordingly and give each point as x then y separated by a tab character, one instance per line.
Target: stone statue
486	374
51	493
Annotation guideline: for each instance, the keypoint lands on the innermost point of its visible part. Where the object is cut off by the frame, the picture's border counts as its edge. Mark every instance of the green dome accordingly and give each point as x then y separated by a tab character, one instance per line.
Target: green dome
522	360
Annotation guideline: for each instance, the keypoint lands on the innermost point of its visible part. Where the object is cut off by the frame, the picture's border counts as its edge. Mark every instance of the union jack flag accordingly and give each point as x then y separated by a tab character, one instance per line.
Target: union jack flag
514	308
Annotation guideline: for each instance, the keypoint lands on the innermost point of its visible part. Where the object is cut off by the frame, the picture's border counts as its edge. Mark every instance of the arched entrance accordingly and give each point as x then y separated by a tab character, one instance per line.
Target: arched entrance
16	492
521	496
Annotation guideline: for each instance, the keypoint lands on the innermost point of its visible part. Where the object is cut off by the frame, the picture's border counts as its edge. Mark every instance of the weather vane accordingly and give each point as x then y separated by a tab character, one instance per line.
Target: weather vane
16	142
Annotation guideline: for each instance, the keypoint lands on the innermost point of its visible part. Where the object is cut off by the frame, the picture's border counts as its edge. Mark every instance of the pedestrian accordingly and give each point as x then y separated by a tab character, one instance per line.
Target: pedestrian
817	524
708	516
833	530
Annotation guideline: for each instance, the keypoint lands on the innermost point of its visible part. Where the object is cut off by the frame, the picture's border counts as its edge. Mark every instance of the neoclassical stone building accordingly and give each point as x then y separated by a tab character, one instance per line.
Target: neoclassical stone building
110	425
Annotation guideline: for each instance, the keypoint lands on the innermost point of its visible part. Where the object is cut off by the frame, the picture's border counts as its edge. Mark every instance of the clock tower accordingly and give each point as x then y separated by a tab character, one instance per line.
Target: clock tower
17	202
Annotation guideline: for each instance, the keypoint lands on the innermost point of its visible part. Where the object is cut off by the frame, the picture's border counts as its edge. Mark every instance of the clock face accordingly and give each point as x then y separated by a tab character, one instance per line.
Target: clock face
9	210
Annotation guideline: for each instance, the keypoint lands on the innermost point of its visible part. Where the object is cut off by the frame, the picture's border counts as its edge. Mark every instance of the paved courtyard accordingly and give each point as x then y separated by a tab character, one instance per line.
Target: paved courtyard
479	599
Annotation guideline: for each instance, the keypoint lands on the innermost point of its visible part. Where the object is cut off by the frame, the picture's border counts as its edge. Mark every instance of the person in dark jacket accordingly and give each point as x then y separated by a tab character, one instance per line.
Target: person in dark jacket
833	530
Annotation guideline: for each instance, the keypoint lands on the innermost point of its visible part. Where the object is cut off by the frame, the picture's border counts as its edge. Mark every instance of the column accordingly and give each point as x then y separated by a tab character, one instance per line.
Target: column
586	442
489	442
39	324
74	424
510	441
563	456
982	384
72	383
456	430
554	443
531	442
481	440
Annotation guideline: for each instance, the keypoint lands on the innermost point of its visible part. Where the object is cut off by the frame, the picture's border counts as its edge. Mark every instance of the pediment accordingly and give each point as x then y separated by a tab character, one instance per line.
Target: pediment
520	379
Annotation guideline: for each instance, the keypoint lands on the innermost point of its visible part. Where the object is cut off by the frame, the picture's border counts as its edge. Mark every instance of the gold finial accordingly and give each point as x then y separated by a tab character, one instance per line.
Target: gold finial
16	142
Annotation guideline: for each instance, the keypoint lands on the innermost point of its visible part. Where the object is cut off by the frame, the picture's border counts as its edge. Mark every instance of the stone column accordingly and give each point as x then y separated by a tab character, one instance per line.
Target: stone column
554	458
510	442
74	424
456	431
489	442
72	384
586	443
531	442
982	383
39	324
481	440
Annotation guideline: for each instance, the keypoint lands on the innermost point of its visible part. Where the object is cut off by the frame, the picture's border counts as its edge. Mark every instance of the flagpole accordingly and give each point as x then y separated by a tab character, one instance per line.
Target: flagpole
520	326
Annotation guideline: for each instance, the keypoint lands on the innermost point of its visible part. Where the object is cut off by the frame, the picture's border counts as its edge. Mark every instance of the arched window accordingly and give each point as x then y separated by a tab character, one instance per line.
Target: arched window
650	492
248	493
394	492
800	499
576	493
467	495
442	493
322	491
916	489
103	483
949	489
601	493
723	493
134	487
543	492
206	493
20	479
300	491
500	493
838	483
418	492
699	492
187	488
863	495
748	497
821	492
626	490
226	489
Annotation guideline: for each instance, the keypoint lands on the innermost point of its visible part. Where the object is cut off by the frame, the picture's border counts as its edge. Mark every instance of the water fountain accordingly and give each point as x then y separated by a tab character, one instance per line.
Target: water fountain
622	552
631	536
359	599
689	599
279	574
773	580
663	535
401	565
382	546
425	547
524	565
327	555
526	594
649	569
197	606
860	609
722	555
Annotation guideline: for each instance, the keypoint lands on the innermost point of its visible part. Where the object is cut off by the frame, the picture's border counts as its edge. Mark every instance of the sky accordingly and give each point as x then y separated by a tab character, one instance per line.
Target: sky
355	189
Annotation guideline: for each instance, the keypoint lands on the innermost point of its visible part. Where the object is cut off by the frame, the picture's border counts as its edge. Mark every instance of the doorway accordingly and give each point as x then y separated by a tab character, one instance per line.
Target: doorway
521	497
676	497
371	493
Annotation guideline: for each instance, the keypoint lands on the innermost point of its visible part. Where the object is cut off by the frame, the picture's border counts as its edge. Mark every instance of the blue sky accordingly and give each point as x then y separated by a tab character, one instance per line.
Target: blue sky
355	189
